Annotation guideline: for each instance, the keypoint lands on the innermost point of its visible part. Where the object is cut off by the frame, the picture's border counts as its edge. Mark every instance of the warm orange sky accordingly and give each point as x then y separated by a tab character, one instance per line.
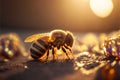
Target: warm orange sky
50	14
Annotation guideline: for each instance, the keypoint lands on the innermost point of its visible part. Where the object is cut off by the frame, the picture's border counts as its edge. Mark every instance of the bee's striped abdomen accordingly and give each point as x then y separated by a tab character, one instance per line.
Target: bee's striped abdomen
38	48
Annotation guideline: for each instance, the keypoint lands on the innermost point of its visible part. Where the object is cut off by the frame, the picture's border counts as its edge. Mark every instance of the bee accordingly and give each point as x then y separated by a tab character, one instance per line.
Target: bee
54	40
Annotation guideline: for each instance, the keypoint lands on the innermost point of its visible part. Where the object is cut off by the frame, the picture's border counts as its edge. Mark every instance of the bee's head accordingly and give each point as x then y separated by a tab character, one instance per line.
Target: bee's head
69	39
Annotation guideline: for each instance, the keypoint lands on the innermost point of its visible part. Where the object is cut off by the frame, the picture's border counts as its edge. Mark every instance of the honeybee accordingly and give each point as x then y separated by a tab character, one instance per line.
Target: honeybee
54	40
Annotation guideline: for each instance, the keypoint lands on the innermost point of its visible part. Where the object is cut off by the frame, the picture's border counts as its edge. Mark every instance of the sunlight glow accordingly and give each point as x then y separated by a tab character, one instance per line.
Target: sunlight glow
102	8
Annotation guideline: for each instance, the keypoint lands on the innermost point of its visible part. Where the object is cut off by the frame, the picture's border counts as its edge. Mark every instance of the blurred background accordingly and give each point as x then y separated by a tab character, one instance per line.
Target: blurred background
74	15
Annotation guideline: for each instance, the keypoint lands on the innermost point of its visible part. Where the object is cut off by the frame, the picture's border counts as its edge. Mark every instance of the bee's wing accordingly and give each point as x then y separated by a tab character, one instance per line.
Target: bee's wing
35	37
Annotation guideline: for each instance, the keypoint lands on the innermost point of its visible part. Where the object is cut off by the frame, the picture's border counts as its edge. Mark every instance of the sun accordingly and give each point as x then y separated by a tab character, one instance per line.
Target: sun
102	8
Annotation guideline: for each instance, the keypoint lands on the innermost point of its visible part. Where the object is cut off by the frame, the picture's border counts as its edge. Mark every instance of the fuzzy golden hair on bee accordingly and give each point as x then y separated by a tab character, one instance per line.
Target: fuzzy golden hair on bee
55	39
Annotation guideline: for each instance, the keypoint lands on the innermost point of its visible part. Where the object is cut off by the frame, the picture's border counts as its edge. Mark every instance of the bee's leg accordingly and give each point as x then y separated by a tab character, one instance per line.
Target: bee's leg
55	56
47	55
69	50
53	52
64	50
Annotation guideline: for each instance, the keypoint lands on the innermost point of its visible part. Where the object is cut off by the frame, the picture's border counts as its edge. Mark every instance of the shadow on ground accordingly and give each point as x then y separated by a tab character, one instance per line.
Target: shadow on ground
44	71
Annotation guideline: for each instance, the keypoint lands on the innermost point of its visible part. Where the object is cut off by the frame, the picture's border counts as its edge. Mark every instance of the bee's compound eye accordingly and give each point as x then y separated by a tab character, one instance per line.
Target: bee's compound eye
69	40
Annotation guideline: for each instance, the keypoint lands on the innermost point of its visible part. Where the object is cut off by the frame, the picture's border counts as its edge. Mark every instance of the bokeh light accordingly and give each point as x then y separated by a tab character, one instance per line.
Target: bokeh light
101	8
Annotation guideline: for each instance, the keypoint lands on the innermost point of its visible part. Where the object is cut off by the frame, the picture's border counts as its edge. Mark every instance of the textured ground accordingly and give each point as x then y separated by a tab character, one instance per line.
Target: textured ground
85	66
24	69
